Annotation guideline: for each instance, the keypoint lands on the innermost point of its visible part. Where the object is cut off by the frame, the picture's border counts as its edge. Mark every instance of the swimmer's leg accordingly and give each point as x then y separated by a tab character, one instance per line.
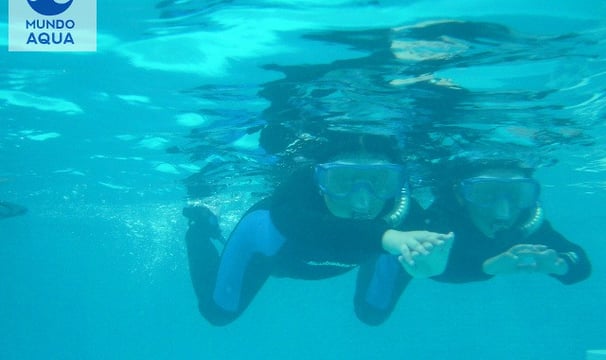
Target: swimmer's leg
379	286
202	255
226	285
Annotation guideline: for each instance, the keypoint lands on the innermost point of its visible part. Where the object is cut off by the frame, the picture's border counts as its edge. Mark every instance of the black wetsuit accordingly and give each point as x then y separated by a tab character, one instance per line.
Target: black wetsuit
292	234
471	248
469	251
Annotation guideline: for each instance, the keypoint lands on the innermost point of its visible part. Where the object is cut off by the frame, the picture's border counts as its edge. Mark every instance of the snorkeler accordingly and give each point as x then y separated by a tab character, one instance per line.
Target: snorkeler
8	209
323	221
493	208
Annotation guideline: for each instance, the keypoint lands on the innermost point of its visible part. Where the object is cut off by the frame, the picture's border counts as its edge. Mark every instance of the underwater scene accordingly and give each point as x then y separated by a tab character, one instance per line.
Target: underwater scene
148	211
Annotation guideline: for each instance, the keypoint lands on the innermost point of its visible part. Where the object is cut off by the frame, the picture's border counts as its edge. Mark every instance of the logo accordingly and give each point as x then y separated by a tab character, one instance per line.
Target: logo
49	7
52	25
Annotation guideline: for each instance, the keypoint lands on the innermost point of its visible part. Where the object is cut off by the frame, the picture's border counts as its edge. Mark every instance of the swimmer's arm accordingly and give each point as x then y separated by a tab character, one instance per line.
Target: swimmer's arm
529	258
421	253
409	244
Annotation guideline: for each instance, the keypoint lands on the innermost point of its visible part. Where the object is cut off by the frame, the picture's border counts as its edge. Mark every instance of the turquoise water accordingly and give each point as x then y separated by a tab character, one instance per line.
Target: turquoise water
104	149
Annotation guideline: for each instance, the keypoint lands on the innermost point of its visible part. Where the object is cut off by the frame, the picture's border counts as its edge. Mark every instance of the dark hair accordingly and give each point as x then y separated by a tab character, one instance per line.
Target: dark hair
465	168
311	150
342	143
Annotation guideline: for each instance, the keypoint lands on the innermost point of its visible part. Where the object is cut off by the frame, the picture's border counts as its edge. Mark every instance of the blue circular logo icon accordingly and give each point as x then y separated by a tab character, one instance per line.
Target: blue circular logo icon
50	7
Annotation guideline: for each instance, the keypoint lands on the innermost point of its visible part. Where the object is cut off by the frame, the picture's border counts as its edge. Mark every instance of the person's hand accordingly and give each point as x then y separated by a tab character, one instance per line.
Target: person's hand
421	253
526	258
433	263
541	259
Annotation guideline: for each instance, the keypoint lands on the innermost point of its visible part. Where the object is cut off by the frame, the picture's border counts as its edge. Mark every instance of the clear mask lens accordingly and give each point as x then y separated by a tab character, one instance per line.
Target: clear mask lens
342	179
521	193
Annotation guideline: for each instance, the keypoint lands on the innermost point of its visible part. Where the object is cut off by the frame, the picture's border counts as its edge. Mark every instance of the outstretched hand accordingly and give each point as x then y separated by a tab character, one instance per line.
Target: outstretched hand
526	258
421	253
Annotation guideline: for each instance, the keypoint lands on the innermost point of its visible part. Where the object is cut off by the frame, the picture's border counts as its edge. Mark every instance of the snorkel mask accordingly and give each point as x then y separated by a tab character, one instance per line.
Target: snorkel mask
521	193
342	179
484	191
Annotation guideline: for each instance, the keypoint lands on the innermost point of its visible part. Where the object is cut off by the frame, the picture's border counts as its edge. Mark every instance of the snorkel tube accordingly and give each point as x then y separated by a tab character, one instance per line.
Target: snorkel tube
534	222
400	209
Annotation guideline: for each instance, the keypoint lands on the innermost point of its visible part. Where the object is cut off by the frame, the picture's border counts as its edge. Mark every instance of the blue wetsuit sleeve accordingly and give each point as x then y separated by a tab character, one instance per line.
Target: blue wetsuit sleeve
379	285
226	283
